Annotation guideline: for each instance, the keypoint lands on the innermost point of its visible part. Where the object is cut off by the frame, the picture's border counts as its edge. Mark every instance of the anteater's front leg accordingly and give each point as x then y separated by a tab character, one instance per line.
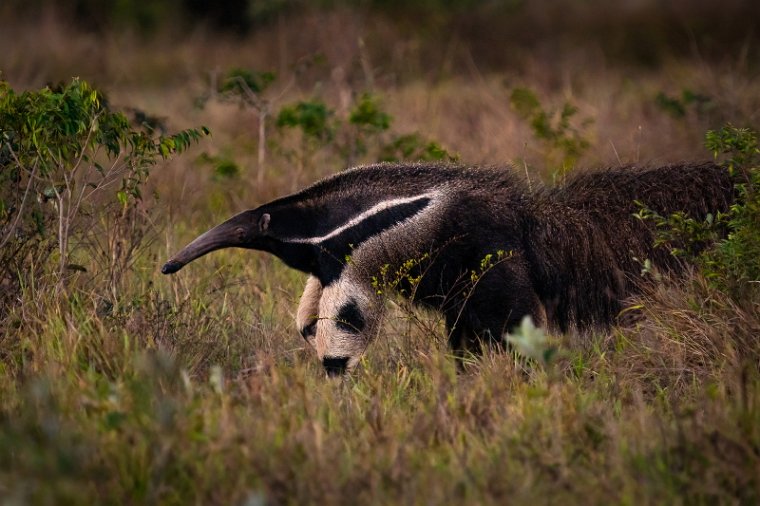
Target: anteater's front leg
308	309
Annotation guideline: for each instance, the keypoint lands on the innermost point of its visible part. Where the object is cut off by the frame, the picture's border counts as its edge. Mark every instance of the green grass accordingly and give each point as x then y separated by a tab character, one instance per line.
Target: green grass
197	394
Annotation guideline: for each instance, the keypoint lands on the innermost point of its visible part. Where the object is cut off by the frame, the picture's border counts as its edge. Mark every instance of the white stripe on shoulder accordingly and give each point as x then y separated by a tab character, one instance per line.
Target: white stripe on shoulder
377	208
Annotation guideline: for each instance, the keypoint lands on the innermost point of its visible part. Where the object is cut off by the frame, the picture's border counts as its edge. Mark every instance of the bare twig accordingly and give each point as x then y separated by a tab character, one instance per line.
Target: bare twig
23	200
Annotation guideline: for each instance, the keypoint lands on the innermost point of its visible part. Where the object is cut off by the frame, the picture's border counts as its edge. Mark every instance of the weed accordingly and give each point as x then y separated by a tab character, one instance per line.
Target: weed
564	142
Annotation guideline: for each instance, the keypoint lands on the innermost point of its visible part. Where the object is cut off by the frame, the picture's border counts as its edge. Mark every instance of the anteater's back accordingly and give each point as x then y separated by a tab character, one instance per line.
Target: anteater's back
694	189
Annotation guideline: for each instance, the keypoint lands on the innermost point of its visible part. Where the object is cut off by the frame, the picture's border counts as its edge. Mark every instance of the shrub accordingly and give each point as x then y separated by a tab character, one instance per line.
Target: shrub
731	264
67	159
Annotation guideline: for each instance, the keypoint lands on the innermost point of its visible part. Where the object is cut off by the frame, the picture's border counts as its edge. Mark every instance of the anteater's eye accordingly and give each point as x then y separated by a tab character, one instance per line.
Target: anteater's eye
350	318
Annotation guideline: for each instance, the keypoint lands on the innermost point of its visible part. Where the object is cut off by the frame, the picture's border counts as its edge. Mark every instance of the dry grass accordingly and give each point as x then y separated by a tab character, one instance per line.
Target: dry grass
197	388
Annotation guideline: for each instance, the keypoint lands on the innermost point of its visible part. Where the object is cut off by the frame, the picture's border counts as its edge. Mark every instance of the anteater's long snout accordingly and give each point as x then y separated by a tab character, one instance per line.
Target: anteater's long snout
171	267
237	232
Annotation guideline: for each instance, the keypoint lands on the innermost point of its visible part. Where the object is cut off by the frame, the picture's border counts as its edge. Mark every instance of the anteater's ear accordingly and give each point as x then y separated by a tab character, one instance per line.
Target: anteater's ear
264	222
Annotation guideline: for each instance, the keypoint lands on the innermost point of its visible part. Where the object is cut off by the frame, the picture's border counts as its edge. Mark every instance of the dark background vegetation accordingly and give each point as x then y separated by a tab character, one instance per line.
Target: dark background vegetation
121	386
495	34
638	32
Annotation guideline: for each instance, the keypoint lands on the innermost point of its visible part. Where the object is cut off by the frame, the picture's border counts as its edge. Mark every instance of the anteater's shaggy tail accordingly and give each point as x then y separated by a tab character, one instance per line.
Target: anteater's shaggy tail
586	248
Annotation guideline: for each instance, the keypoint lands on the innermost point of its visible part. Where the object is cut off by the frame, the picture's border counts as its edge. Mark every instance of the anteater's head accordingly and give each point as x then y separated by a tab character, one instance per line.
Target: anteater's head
248	229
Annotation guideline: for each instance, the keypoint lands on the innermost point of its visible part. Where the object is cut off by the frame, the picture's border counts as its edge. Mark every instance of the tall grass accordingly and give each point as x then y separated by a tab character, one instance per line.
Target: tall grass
208	399
198	389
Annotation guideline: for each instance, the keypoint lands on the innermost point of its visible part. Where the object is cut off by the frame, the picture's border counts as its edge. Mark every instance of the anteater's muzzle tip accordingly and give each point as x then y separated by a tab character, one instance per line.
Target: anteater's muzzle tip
335	366
171	267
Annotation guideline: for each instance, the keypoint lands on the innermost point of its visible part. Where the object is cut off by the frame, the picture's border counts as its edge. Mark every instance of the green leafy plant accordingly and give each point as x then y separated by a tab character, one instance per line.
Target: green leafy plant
367	122
727	245
364	134
241	82
311	118
372	127
368	116
564	141
222	167
249	89
531	342
678	107
414	147
66	155
684	236
404	279
734	264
